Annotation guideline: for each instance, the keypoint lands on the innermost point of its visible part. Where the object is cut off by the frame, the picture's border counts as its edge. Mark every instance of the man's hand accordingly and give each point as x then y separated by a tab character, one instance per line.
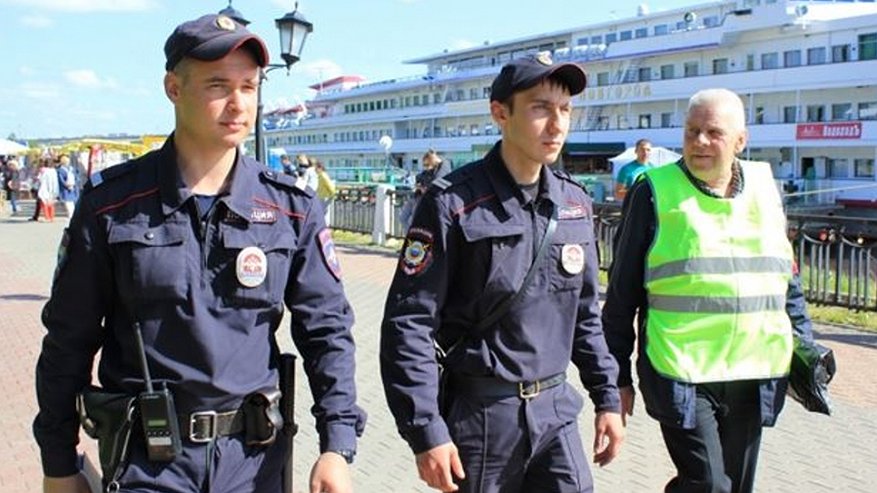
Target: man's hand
436	465
67	484
331	474
628	396
608	436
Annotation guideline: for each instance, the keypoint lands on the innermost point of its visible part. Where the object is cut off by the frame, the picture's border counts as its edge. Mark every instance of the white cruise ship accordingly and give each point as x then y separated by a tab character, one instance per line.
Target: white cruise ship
807	71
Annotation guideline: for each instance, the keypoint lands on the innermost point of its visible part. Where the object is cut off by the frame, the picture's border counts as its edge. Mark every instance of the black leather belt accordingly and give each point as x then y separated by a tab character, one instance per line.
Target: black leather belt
494	387
205	426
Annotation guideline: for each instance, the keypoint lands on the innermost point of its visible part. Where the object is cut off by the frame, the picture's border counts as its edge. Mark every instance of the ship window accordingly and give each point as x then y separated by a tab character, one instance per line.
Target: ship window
460	95
626	35
611	38
792	58
750	62
417	100
641	32
666	120
595	40
603	79
645	121
842	111
840	53
621	122
371	105
711	21
667	72
645	74
473	129
720	66
661	29
837	168
485	92
868	46
473	93
437	98
581	41
816	56
603	123
864	168
815	113
680	26
690	69
790	114
769	61
868	111
759	115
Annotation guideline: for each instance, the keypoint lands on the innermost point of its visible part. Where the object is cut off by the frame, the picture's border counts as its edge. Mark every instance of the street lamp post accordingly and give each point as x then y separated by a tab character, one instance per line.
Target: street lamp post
294	30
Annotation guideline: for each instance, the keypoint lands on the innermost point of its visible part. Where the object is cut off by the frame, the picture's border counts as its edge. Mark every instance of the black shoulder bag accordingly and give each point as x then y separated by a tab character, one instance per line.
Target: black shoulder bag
442	354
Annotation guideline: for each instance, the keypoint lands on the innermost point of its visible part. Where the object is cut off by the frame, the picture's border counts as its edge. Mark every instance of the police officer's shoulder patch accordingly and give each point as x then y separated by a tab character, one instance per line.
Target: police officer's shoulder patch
417	253
327	250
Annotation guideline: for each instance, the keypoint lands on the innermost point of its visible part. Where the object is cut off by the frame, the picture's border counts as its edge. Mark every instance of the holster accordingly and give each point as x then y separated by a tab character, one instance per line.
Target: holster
108	417
262	417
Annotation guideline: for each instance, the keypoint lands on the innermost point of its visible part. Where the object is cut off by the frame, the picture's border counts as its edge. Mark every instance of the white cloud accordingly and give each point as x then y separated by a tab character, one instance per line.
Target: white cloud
39	91
88	79
26	71
85	5
36	21
321	70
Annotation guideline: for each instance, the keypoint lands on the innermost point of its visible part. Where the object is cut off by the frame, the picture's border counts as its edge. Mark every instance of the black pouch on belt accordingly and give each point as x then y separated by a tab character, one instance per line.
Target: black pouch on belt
108	417
262	417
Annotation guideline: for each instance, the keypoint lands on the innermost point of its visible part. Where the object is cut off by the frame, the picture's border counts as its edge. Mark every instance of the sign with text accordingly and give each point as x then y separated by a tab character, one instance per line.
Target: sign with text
839	130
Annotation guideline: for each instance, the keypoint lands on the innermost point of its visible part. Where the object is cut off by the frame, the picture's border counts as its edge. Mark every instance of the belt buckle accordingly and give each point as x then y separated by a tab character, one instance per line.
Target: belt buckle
194	431
524	391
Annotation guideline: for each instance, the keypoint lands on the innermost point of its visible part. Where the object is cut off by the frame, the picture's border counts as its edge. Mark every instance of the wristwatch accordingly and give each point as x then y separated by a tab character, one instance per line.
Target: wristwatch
346	453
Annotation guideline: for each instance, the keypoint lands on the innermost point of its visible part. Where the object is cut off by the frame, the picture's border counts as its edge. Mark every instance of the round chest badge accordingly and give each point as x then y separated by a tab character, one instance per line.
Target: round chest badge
572	258
251	267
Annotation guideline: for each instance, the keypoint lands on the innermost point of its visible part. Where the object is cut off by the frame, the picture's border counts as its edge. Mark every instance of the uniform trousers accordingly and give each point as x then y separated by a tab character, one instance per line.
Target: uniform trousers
233	467
510	445
721	453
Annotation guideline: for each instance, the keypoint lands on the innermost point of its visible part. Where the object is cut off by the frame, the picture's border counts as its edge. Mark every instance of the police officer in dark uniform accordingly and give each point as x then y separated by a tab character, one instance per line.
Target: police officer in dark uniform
507	420
199	247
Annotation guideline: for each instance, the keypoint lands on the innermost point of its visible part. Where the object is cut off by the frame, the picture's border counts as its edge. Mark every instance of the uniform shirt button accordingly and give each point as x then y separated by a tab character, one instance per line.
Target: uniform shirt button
150	235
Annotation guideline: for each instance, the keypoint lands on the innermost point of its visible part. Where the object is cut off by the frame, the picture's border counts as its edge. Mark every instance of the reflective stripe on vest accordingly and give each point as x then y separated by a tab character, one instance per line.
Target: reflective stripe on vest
716	277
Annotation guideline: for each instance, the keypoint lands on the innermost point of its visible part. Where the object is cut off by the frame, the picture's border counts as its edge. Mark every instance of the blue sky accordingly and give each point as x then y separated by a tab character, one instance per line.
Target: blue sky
78	67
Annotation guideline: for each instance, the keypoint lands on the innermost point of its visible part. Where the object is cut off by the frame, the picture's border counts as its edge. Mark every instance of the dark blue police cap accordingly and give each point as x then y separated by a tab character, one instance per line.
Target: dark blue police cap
523	73
210	38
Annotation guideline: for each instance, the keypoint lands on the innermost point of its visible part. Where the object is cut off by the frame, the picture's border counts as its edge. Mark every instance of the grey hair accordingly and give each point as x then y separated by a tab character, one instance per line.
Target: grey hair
721	97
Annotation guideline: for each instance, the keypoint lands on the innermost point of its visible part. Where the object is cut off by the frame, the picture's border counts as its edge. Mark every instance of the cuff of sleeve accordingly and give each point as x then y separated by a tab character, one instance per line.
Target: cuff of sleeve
58	463
429	436
609	401
338	437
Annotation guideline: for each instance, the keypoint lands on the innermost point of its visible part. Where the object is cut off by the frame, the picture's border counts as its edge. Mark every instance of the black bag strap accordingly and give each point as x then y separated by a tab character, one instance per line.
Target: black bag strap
507	303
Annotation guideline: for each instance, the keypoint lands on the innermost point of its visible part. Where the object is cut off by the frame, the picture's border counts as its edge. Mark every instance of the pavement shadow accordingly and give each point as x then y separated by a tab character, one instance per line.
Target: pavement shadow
855	338
23	297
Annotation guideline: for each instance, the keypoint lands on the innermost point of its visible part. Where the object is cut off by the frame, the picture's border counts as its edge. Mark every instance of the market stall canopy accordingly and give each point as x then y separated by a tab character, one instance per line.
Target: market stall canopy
9	147
659	157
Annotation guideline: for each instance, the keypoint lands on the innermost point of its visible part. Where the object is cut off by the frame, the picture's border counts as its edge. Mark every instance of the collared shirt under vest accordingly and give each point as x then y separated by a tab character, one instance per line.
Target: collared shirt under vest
716	277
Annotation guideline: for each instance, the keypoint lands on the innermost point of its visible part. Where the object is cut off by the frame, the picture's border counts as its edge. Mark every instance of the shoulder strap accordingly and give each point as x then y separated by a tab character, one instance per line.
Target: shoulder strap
507	303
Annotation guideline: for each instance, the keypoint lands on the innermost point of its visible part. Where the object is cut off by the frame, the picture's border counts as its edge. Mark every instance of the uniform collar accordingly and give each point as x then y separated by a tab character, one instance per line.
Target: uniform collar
507	190
175	193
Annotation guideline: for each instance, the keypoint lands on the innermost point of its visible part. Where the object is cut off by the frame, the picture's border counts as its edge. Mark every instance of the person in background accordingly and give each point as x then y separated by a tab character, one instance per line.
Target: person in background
47	192
508	418
201	249
703	263
12	183
306	172
326	189
68	190
630	172
434	167
287	166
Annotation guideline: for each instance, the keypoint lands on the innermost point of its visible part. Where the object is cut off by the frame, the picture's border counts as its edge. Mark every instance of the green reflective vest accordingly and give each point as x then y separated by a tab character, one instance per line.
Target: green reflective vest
716	278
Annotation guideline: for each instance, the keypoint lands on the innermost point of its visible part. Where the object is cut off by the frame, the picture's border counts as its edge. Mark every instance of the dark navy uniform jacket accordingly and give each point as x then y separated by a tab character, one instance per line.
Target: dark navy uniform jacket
137	250
470	245
668	401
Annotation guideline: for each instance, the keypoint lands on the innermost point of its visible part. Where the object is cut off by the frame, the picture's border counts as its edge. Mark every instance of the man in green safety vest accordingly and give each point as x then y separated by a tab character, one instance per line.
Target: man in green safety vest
703	262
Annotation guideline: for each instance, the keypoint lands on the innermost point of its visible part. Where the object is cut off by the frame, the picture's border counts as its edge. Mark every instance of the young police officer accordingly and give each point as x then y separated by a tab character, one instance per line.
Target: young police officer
509	421
199	247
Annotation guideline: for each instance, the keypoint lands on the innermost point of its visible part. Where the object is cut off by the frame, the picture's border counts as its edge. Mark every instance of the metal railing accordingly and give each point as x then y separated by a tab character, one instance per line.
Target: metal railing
835	254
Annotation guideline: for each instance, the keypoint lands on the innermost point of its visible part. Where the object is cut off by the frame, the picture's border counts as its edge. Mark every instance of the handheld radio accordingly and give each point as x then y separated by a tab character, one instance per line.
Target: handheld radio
157	413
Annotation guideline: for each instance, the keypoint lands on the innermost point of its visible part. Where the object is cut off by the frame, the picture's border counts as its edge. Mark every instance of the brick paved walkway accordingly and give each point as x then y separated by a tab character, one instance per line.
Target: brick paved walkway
805	453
